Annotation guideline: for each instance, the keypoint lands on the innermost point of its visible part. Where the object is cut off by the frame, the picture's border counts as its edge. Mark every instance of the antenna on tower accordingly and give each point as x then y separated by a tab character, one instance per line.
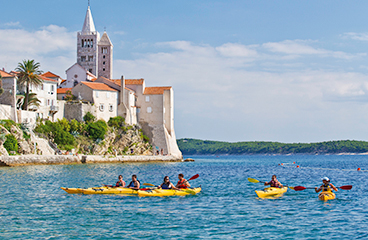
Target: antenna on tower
104	29
88	3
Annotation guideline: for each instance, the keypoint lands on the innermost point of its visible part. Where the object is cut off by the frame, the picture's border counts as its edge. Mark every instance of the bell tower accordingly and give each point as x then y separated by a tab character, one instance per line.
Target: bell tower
105	56
87	45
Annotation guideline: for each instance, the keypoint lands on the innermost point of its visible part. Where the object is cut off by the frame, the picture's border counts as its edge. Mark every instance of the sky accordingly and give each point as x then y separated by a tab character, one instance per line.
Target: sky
241	70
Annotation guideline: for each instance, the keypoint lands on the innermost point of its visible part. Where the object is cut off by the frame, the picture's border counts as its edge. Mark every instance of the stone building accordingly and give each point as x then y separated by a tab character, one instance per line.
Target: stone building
94	53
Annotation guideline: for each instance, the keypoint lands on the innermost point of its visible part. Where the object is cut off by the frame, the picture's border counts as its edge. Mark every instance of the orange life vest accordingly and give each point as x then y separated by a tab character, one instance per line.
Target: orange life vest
181	184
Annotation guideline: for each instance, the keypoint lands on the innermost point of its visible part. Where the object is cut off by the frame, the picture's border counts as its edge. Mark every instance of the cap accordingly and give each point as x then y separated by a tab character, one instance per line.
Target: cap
325	178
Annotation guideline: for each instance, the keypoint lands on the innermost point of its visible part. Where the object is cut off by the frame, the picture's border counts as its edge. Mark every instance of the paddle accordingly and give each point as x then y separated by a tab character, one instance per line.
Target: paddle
301	188
253	180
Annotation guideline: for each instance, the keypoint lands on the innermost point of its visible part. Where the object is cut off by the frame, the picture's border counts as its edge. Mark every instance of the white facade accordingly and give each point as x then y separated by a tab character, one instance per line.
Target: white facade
104	98
76	74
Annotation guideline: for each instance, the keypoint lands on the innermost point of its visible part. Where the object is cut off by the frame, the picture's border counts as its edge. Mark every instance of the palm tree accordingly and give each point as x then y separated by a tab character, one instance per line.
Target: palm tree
33	101
29	77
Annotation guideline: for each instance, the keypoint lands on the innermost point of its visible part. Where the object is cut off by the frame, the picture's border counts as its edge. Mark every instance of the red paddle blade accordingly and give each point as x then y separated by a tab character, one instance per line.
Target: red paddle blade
194	177
346	187
299	188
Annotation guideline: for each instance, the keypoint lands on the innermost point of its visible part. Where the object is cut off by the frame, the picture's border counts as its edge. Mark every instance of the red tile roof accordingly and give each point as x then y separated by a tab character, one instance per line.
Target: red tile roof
5	74
50	75
155	90
62	81
98	86
47	79
134	81
63	90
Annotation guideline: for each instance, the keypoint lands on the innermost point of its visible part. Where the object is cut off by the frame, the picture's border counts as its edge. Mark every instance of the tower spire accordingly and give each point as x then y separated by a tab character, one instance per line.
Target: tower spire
88	26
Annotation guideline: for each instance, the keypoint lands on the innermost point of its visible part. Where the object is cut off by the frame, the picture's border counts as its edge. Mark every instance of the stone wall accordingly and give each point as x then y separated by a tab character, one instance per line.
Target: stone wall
76	110
13	161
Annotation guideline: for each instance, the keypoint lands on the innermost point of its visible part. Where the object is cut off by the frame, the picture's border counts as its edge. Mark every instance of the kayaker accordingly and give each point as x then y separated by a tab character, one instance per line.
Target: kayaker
182	183
326	186
134	184
274	182
167	184
121	182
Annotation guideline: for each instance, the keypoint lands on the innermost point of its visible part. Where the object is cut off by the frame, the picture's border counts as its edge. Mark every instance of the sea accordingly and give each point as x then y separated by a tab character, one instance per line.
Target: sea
32	205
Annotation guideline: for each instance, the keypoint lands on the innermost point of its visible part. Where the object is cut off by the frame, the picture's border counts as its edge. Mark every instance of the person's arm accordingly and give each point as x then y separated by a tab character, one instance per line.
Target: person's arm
317	189
267	183
174	187
123	184
334	188
138	185
187	183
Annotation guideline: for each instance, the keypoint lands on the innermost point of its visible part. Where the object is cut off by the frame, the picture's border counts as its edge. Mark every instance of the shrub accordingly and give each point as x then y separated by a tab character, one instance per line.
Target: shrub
64	124
116	122
7	123
11	143
89	117
76	126
97	130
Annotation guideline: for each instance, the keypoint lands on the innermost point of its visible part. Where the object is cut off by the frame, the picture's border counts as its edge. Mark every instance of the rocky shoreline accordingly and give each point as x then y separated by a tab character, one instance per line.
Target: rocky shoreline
24	160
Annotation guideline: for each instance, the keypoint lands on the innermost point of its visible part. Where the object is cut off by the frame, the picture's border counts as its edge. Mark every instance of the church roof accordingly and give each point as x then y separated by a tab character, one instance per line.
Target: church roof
155	90
105	40
88	26
5	74
50	75
99	86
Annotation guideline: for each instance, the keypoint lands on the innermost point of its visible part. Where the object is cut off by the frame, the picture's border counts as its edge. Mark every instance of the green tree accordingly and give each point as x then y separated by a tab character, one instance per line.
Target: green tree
29	77
89	117
11	143
97	130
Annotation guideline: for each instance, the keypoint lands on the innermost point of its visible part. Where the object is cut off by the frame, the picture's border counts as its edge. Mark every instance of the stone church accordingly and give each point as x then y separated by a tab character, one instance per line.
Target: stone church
91	81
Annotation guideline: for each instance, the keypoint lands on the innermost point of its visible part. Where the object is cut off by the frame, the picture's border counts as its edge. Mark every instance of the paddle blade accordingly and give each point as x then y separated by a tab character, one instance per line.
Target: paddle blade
299	188
149	184
291	188
194	177
252	180
346	187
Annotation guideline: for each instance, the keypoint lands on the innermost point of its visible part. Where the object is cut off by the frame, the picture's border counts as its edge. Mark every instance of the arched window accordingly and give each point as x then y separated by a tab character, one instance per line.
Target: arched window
102	107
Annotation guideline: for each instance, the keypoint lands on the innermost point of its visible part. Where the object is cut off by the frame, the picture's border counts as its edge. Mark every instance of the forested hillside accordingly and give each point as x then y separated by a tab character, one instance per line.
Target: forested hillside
195	146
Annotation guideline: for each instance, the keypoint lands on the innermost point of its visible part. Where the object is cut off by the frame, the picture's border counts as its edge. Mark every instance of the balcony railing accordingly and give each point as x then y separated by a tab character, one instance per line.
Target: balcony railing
54	108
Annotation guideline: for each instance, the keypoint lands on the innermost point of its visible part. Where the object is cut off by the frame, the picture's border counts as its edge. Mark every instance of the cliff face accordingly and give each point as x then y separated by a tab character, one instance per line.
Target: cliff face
116	142
14	140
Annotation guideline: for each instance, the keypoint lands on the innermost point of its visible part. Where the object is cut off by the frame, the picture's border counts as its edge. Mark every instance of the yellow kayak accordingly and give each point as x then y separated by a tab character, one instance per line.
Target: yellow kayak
271	191
100	190
326	195
168	192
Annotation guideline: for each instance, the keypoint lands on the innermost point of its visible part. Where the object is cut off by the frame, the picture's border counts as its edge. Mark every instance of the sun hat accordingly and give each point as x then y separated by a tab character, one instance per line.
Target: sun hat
326	178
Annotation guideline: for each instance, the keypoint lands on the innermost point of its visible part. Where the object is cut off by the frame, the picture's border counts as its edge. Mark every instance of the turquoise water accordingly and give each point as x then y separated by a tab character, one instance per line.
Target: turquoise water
32	205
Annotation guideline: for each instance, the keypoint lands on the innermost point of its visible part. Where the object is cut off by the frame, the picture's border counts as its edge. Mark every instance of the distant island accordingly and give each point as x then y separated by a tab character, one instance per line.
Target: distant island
190	146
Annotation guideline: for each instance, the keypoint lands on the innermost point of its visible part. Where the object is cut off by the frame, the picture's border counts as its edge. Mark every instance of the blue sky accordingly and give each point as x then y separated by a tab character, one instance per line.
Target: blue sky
289	71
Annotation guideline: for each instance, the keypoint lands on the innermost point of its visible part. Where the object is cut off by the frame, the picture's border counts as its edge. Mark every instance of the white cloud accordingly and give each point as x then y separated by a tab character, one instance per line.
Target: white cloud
236	50
52	46
355	36
12	24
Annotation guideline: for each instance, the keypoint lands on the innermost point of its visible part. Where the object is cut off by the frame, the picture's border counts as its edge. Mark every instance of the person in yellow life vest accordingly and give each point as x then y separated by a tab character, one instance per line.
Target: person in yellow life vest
326	186
182	183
